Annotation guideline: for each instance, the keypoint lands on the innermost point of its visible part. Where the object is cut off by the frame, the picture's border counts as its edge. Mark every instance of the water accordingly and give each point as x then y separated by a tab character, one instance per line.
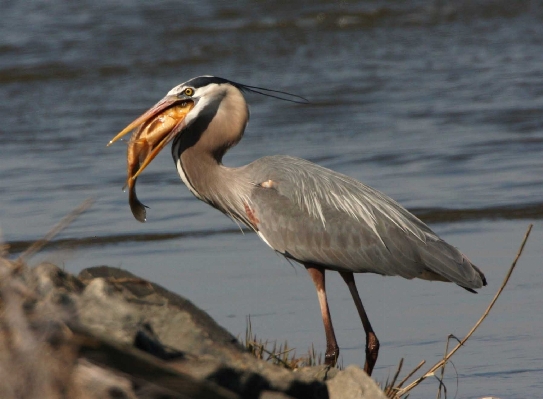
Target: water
438	104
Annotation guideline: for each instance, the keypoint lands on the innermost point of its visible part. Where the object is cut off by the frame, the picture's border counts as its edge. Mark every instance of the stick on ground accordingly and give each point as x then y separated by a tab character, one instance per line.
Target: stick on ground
402	392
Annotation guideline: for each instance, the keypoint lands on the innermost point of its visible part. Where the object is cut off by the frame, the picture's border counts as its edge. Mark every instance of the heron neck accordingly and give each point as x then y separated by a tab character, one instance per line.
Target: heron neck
227	189
200	171
199	149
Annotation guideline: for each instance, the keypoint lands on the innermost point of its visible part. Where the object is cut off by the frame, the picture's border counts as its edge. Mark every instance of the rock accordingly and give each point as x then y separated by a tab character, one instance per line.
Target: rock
321	373
207	351
110	334
273	395
36	357
353	383
176	321
91	381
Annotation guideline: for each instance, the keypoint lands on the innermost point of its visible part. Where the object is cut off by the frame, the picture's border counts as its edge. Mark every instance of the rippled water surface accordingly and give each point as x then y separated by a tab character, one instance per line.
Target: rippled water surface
438	104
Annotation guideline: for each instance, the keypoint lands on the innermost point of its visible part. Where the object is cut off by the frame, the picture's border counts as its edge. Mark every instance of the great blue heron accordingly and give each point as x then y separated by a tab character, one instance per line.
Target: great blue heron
315	216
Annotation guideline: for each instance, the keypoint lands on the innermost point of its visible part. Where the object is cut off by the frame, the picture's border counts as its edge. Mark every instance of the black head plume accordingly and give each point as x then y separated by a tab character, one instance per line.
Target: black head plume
202	81
267	92
293	98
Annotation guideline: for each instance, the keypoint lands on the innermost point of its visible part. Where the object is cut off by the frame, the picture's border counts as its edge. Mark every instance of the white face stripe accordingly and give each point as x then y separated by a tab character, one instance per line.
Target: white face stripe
182	174
186	181
202	97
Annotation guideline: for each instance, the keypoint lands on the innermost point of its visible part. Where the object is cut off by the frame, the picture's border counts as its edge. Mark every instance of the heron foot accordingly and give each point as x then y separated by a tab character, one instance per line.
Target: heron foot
372	351
331	355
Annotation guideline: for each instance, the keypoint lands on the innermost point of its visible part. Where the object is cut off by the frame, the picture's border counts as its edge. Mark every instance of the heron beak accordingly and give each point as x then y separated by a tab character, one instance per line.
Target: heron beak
157	127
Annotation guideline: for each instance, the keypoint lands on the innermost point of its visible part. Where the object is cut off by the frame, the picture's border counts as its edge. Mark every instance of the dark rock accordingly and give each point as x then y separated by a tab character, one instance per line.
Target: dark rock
211	353
110	334
176	321
147	341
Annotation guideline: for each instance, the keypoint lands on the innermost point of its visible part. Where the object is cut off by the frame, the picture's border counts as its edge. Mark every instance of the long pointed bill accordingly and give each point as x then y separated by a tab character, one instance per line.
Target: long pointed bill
153	111
156	128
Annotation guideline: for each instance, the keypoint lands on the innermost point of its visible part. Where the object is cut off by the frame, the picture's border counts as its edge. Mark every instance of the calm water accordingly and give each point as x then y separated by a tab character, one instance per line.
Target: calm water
438	104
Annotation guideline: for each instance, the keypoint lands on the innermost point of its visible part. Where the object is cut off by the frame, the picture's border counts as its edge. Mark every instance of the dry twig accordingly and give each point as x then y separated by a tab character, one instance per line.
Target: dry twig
443	368
390	387
65	222
441	363
408	376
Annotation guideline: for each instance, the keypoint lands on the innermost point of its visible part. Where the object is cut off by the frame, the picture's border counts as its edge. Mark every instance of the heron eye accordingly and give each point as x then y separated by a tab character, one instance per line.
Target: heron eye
188	92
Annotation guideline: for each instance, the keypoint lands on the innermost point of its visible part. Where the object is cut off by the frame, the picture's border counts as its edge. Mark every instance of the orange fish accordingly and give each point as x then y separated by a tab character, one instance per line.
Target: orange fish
156	128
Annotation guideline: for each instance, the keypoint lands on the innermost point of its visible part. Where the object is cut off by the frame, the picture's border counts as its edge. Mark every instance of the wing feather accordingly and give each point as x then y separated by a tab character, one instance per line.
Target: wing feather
313	214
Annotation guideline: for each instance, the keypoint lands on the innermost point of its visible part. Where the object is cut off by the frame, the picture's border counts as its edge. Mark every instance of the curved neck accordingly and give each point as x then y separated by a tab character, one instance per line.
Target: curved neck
226	189
201	169
198	152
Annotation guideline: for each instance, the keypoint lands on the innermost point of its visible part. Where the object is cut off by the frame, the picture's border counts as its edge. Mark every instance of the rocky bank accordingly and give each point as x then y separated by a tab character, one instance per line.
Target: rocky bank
108	334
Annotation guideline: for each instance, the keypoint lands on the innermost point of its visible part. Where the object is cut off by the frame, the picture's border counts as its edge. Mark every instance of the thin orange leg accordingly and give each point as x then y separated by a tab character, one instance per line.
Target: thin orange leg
332	350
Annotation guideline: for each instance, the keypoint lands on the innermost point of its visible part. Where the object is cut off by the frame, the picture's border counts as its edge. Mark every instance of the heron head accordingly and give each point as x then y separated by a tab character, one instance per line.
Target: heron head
170	117
184	104
207	110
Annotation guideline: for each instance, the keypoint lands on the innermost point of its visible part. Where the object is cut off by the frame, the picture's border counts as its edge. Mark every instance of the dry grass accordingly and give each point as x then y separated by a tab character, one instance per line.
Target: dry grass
280	355
396	392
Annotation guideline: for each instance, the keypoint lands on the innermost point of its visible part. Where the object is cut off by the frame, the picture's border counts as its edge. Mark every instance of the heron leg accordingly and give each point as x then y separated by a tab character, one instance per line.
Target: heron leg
332	349
372	343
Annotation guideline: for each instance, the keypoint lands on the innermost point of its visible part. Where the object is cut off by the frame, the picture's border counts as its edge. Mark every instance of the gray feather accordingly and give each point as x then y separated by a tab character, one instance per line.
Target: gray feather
313	214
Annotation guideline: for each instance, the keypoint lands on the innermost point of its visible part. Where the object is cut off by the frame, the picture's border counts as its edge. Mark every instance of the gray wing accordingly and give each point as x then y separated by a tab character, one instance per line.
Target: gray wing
313	214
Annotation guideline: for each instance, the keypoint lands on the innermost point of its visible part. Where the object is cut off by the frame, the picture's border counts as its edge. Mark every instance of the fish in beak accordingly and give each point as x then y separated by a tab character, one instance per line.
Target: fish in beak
155	129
